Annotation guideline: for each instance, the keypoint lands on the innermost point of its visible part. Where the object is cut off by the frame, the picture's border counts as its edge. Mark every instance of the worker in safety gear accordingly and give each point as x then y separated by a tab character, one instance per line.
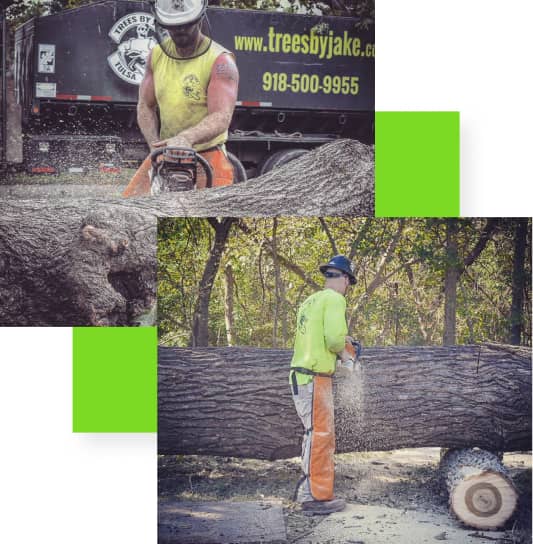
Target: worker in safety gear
321	337
192	81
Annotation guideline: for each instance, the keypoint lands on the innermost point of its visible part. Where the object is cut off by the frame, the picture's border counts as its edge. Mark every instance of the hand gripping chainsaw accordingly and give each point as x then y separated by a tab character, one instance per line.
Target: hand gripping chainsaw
354	348
174	169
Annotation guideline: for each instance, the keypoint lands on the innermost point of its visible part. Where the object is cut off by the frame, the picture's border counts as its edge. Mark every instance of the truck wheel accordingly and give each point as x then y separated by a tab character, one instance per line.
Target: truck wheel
279	158
239	173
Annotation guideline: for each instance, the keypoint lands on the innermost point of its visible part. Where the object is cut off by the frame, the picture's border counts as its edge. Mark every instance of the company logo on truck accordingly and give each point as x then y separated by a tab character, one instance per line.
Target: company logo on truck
134	35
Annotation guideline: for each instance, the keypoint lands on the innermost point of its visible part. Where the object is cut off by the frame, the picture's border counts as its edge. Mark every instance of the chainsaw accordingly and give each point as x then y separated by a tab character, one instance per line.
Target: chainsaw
174	169
354	348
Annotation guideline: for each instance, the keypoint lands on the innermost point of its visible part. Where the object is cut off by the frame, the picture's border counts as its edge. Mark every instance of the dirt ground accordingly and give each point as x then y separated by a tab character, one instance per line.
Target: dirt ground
393	496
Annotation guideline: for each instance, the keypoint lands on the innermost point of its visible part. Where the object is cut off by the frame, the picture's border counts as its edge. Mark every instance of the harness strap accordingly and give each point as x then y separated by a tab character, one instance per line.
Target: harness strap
303	370
294	383
307	371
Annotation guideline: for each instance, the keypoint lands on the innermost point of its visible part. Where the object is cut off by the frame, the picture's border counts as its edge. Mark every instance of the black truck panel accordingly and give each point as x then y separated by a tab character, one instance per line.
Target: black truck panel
286	61
286	65
304	80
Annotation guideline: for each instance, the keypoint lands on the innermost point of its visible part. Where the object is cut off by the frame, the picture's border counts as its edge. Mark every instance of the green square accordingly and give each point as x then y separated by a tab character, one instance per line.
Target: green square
417	164
114	379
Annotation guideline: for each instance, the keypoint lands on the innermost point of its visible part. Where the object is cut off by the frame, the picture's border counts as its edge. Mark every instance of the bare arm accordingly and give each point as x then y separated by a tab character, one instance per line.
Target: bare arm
147	106
221	98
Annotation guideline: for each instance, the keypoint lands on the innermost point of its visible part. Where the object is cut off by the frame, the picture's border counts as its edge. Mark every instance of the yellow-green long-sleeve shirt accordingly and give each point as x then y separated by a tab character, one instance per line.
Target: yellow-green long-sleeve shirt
320	333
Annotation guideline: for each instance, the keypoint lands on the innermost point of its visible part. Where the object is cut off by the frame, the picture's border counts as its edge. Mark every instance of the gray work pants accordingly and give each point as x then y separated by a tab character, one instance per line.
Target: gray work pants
303	402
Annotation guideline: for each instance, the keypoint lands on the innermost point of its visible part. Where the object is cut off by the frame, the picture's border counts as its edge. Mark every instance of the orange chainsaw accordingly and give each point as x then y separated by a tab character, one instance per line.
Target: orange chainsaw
168	169
354	348
174	169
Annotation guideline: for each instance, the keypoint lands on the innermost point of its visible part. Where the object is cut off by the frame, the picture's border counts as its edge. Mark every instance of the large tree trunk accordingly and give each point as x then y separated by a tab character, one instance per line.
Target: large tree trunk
334	179
200	324
91	261
74	265
237	402
519	279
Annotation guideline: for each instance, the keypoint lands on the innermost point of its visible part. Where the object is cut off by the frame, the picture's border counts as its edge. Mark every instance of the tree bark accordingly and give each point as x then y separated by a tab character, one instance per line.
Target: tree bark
480	490
331	180
280	313
519	278
228	305
200	323
451	277
237	401
74	264
82	260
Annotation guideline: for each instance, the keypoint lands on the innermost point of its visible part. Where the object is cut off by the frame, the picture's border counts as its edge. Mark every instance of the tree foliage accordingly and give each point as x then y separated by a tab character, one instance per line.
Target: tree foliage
399	297
22	10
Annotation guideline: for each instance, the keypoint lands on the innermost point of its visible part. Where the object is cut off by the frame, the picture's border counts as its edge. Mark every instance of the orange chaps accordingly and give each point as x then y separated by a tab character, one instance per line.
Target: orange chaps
314	404
217	159
321	463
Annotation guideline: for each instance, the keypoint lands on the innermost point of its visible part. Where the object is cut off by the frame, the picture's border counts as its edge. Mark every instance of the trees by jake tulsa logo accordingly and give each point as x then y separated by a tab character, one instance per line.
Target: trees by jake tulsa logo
134	36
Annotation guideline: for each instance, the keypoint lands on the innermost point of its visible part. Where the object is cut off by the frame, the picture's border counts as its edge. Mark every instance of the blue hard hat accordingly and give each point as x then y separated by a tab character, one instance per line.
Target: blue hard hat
342	263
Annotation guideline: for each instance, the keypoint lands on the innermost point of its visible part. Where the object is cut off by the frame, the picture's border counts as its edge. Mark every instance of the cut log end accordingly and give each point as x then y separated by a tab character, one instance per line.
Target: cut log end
480	491
485	501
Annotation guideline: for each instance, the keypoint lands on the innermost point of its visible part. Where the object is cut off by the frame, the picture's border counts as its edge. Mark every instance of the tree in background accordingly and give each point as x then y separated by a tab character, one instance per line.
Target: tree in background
200	324
269	266
22	10
520	286
456	266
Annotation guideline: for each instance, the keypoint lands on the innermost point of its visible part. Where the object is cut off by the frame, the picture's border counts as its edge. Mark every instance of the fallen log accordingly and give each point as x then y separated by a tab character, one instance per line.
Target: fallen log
75	266
481	492
91	260
237	402
334	179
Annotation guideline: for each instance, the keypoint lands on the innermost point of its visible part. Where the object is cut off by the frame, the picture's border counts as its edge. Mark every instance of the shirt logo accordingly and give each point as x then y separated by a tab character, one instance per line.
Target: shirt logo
302	324
191	87
134	35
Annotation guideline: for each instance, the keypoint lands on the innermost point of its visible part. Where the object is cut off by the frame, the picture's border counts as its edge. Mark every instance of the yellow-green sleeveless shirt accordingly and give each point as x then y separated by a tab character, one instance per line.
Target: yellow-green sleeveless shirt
181	91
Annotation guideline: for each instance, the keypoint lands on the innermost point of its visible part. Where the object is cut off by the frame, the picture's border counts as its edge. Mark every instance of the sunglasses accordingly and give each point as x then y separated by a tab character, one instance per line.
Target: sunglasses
334	274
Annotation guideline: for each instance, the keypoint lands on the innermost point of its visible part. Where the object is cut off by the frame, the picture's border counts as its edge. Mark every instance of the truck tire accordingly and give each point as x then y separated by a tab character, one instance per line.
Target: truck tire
279	158
239	173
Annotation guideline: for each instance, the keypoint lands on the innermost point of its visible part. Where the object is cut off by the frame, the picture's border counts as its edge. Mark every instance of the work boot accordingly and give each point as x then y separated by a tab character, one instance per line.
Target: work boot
324	507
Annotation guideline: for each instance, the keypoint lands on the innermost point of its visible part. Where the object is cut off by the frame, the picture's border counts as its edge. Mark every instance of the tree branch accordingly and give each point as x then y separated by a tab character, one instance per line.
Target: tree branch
325	228
484	237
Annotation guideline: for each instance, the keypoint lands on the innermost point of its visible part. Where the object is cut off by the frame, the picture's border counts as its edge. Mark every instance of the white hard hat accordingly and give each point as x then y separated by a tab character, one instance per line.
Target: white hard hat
179	12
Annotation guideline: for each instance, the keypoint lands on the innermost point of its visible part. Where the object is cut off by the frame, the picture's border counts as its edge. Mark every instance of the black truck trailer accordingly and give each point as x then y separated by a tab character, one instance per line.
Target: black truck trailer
304	80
